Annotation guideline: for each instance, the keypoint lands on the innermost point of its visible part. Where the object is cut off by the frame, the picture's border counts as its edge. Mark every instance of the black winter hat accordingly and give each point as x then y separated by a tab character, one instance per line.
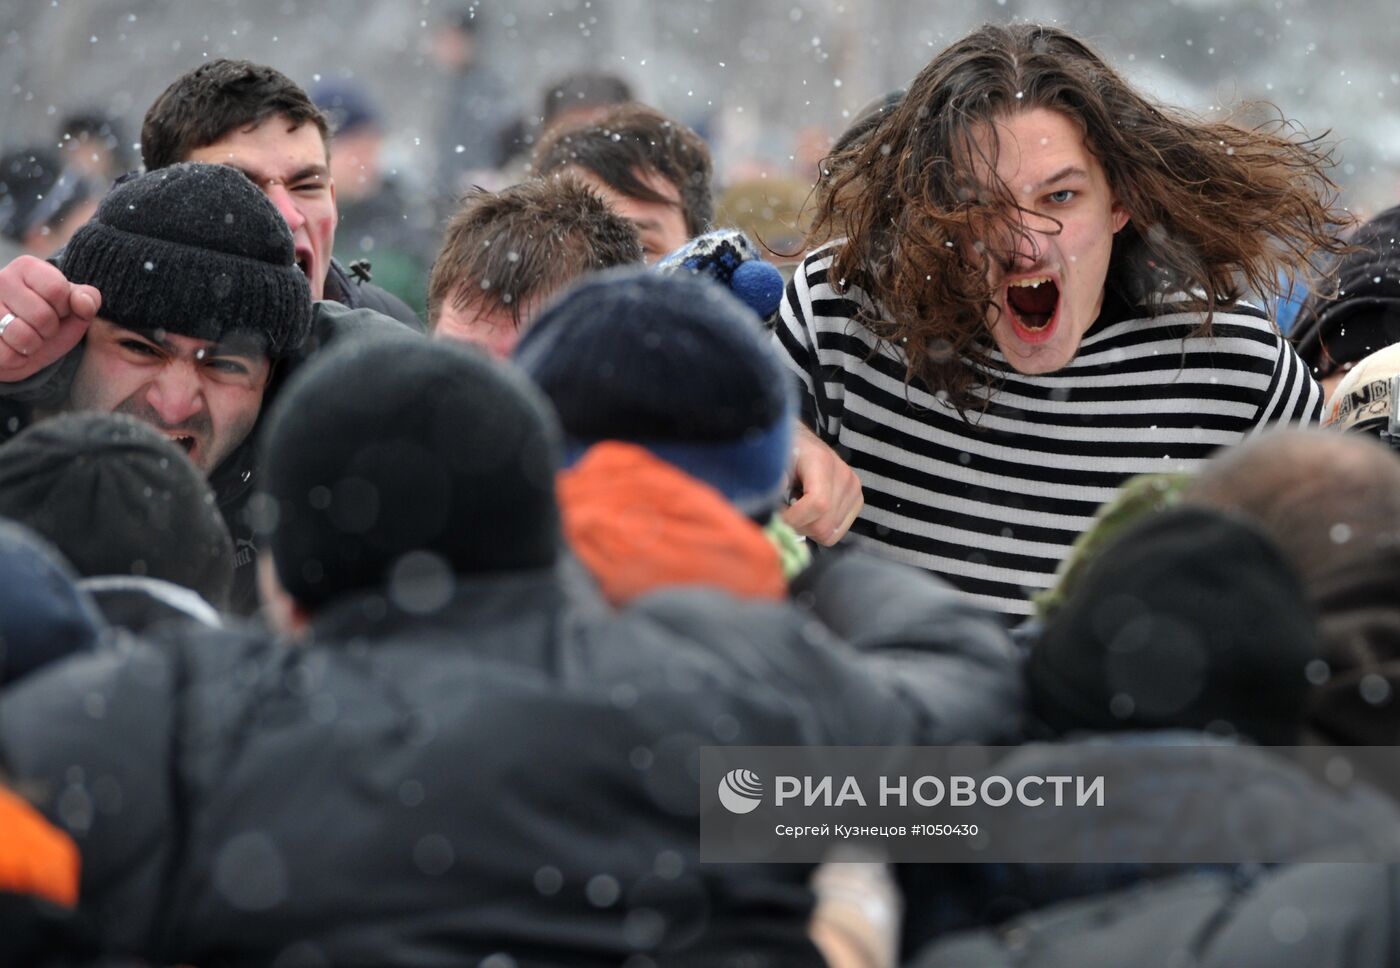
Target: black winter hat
1365	315
196	250
1189	620
674	364
391	459
117	498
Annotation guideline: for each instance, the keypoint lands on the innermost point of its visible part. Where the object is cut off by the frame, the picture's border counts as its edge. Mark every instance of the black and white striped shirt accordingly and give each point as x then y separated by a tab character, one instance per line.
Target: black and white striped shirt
994	504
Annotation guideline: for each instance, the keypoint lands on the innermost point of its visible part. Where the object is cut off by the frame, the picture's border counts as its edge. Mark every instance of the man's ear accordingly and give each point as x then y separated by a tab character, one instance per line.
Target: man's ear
1120	216
279	609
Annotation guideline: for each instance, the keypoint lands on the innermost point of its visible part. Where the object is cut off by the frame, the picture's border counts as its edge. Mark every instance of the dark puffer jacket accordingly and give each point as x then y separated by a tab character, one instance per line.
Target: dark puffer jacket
356	292
1300	916
1272	808
510	773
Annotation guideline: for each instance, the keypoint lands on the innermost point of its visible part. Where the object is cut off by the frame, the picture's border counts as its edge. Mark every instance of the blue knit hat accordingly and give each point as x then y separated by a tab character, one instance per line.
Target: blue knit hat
44	615
729	258
674	364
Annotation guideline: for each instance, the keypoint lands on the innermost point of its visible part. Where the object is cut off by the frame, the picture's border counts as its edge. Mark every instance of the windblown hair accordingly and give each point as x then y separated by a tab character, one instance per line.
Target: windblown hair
214	99
634	138
504	248
1214	207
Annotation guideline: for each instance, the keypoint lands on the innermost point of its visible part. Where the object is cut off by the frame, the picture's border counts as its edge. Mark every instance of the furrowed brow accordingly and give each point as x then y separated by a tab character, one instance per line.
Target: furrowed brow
310	171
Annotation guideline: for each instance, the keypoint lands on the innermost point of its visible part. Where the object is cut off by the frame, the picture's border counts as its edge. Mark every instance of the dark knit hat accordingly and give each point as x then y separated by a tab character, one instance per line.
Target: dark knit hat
391	458
674	364
346	105
195	250
118	498
44	615
1364	316
1191	619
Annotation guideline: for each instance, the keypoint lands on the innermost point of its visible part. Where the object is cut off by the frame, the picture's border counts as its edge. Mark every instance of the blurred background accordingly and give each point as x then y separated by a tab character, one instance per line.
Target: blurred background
768	84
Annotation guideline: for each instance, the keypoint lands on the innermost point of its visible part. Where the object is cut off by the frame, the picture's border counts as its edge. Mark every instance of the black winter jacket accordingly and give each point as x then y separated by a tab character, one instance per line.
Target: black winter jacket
509	773
357	292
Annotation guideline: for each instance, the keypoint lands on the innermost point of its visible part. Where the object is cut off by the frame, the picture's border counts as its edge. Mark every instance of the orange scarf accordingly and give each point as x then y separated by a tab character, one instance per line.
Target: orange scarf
640	524
36	858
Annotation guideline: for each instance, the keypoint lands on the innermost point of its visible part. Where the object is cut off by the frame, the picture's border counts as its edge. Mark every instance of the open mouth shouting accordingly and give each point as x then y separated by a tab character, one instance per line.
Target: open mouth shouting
184	441
1033	303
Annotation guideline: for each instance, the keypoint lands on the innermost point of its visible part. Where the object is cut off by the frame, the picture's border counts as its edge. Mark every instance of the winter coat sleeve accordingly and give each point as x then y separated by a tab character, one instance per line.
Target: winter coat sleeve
946	658
780	648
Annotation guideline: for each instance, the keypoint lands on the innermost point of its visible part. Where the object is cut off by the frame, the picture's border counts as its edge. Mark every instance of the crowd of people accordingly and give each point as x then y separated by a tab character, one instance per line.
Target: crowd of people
341	625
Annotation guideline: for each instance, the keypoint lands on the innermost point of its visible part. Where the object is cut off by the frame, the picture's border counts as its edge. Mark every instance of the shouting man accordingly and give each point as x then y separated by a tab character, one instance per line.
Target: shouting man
194	295
1032	296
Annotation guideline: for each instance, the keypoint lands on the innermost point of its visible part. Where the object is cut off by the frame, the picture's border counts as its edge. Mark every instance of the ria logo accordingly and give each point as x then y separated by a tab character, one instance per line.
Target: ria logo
741	791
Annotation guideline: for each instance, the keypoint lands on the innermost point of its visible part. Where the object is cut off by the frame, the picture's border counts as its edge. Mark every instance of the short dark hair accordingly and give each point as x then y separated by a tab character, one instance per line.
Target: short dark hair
205	104
584	89
632	138
504	248
92	124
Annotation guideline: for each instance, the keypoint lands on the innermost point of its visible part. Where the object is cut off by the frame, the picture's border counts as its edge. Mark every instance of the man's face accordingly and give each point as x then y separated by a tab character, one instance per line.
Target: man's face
661	225
1048	285
487	325
204	396
289	165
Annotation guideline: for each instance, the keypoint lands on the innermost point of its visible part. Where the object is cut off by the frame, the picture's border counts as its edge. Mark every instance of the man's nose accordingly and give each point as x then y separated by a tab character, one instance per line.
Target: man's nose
1026	244
282	198
176	395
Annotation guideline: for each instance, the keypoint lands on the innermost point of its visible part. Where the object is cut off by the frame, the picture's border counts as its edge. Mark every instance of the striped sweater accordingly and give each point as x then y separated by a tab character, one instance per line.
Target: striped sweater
993	503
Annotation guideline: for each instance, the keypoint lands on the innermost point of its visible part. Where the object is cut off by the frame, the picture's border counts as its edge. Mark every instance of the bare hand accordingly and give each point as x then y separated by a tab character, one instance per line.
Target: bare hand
831	494
51	315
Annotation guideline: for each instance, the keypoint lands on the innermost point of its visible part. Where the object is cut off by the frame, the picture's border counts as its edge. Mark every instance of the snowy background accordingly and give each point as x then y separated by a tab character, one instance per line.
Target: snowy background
755	77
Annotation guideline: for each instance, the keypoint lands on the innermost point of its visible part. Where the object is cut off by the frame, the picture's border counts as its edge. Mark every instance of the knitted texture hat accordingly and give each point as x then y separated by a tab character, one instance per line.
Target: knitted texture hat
1189	620
672	363
195	250
729	258
391	459
118	498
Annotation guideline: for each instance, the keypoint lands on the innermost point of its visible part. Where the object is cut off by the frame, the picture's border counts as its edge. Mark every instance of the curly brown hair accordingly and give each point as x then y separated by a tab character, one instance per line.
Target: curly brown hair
1216	209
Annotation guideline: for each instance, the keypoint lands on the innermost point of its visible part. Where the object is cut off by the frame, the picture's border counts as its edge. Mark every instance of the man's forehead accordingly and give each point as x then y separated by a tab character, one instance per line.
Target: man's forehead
649	177
470	306
273	143
1031	149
